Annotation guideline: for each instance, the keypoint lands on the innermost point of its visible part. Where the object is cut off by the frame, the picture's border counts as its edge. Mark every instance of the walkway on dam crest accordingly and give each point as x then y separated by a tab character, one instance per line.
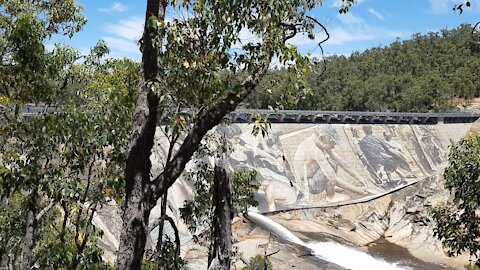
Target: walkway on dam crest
347	117
320	117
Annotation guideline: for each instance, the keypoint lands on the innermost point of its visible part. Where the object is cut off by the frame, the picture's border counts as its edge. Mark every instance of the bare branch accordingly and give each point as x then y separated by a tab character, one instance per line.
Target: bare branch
206	119
171	146
321	41
64	222
177	237
292	27
89	178
69	73
474	29
89	223
273	253
44	210
163	212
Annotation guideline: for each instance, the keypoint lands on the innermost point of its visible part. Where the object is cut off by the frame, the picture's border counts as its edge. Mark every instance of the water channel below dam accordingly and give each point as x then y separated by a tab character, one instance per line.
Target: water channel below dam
380	255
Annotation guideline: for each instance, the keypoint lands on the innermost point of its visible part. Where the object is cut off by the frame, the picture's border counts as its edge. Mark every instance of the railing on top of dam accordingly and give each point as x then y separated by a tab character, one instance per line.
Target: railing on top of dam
346	117
324	117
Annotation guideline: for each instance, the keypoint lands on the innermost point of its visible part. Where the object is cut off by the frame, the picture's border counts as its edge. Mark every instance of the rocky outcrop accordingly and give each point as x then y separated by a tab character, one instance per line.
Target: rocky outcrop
400	218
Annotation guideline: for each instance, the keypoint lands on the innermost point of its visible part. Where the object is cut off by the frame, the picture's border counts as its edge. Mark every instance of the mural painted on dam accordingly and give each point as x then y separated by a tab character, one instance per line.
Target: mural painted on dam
307	165
311	165
316	164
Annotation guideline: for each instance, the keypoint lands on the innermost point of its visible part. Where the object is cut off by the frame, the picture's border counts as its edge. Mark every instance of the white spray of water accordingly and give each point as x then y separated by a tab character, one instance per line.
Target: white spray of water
274	227
349	258
338	254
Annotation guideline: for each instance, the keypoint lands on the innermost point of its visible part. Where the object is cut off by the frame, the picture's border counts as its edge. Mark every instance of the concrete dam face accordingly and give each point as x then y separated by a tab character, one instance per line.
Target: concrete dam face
322	165
315	164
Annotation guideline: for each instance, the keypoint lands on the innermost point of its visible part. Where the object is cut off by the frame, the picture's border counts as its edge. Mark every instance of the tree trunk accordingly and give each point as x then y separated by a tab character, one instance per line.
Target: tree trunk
221	246
2	253
137	204
163	213
27	258
141	193
139	200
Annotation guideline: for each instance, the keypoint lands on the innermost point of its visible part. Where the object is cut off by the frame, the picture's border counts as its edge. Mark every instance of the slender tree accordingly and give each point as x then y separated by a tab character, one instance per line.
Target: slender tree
199	62
457	223
221	246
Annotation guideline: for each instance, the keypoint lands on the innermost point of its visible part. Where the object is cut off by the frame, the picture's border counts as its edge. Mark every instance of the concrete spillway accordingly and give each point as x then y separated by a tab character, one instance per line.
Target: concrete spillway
274	227
328	251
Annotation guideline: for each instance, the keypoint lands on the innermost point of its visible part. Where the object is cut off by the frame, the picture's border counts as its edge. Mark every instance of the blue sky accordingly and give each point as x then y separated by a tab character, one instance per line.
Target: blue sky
369	23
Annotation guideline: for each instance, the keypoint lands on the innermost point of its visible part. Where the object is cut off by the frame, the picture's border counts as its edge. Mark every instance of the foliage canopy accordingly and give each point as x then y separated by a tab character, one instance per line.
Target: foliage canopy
458	224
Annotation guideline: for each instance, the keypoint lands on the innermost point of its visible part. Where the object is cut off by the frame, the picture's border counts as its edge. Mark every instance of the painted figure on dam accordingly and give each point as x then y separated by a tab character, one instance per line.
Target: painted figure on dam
432	146
413	146
310	165
278	189
384	160
316	165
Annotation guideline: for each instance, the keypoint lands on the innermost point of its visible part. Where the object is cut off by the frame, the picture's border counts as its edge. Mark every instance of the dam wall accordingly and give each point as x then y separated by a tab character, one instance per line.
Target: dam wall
316	164
311	165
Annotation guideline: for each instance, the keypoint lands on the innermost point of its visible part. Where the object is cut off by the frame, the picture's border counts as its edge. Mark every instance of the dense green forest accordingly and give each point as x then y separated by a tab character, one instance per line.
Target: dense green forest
421	74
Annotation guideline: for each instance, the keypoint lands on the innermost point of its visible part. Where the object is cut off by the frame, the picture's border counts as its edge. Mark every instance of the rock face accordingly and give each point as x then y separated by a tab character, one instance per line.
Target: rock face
400	218
307	165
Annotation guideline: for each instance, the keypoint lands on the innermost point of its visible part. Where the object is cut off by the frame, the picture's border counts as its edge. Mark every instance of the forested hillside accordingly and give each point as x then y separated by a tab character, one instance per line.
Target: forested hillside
421	74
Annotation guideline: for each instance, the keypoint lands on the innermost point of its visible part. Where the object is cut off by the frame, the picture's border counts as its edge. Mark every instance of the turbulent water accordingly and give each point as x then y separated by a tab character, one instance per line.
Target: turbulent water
349	258
335	253
270	225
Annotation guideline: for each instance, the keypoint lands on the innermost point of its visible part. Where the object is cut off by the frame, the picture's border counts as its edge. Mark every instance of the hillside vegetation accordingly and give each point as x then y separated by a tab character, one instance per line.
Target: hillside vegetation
424	73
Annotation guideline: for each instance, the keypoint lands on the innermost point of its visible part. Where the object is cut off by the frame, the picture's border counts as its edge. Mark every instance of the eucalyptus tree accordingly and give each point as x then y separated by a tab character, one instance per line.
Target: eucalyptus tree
28	70
220	193
26	75
56	169
457	223
421	74
201	63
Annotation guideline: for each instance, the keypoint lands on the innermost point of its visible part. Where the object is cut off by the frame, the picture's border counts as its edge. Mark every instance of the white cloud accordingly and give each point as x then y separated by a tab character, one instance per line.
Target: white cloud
338	3
275	63
398	34
301	40
339	36
440	6
124	35
131	28
351	28
246	36
350	19
446	6
49	47
116	7
122	45
376	14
